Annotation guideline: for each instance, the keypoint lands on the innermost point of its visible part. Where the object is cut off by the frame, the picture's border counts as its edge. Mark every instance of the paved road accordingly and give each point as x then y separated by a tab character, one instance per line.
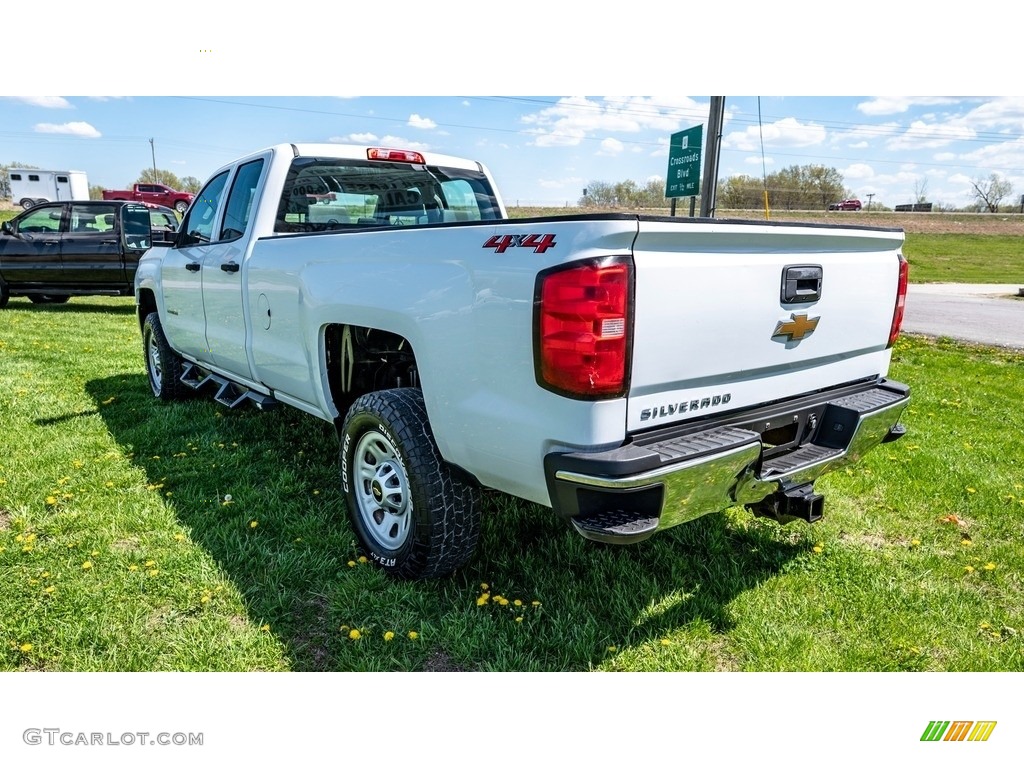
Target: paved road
985	314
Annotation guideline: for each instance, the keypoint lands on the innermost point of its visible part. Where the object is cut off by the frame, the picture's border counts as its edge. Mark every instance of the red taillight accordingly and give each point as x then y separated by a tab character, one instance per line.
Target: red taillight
901	301
395	155
583	329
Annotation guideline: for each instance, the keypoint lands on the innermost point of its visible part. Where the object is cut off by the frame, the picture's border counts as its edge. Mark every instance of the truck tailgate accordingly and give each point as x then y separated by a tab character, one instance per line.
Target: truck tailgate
714	330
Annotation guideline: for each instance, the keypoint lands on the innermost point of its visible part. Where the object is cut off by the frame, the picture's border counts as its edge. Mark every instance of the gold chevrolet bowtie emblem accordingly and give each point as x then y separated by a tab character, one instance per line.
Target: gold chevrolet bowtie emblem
796	327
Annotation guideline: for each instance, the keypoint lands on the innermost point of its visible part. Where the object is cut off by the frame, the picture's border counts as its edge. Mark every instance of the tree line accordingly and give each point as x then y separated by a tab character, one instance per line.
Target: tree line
798	187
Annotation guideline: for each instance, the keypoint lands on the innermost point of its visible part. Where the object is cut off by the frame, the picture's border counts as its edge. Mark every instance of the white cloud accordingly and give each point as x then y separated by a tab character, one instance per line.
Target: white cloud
893	105
424	123
47	102
757	160
354	138
610	147
788	132
859	172
573	119
72	129
922	135
570	181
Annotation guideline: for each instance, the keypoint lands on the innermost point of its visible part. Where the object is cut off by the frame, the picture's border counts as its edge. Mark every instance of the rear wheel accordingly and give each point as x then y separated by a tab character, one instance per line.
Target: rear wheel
410	510
27	202
181	206
163	364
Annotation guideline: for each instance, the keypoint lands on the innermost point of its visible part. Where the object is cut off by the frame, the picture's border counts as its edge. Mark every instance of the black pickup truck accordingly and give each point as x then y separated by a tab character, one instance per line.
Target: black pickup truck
79	248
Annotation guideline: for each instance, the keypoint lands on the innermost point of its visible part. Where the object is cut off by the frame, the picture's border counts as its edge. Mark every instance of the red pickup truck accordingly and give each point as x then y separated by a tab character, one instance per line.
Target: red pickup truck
152	193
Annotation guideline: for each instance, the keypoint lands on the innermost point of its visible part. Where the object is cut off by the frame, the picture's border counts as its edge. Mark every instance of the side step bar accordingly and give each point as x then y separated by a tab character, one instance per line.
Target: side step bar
229	393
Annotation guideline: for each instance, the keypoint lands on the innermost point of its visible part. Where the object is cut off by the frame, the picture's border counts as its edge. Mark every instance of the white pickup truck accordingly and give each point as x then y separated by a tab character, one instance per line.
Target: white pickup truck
630	372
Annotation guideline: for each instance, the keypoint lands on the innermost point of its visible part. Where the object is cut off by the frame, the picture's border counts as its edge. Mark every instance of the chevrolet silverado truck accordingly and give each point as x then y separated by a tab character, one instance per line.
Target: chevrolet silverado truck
630	372
159	194
54	251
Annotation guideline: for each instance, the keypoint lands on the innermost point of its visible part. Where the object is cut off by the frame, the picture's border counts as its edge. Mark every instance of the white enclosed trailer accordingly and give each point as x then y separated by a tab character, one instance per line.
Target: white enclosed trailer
32	186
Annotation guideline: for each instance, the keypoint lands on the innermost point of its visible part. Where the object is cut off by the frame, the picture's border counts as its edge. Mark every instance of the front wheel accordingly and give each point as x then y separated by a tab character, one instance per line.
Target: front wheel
163	365
412	513
27	202
181	206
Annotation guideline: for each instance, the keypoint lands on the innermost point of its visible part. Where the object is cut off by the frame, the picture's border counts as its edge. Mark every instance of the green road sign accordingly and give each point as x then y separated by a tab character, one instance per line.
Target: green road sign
683	177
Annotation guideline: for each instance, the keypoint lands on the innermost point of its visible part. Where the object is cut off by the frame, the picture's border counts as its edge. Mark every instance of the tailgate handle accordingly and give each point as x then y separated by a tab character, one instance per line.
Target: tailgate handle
801	284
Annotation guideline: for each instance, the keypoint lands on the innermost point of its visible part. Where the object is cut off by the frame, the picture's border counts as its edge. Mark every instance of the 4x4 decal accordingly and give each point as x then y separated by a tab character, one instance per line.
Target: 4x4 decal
539	243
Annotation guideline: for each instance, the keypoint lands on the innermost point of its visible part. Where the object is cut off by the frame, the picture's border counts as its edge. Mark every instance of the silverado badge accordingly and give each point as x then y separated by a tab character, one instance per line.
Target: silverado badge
796	327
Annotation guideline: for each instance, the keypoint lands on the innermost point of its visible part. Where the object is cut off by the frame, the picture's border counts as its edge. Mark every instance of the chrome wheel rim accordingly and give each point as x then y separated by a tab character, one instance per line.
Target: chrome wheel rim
156	372
382	491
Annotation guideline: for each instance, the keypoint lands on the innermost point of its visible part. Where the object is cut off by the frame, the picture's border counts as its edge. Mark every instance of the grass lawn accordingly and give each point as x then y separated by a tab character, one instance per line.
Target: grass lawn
137	535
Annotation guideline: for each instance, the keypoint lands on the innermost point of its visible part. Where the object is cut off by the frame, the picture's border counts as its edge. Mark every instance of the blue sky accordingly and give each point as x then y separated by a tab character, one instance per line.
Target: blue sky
218	82
541	149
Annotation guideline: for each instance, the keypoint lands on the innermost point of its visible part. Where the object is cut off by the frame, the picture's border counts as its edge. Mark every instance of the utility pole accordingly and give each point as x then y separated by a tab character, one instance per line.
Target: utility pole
869	195
152	149
709	184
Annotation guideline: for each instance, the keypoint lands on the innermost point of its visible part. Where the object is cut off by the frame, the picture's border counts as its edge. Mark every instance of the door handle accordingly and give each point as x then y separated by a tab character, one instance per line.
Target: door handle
229	266
193	266
801	284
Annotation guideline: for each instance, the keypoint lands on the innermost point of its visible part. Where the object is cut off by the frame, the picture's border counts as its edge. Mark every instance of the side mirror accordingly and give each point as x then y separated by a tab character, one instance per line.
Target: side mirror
135	228
6	228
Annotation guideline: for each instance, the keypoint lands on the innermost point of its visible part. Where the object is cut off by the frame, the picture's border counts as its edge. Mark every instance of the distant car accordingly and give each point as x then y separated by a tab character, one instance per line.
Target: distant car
845	205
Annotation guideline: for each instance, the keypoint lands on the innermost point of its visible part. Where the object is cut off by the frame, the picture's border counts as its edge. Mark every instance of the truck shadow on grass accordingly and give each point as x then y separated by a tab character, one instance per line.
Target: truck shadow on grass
76	305
259	493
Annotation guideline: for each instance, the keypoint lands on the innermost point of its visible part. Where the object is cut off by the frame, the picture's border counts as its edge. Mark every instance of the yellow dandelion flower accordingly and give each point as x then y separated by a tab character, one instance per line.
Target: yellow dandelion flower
49	590
413	634
517	603
389	636
984	625
915	542
354	634
362	559
153	571
108	484
44	575
50	501
971	490
484	587
351	563
343	628
966	542
265	628
482	600
150	563
25	647
818	549
535	603
612	648
969	568
86	565
990	566
19	538
254	523
666	641
179	537
204	599
133	567
519	619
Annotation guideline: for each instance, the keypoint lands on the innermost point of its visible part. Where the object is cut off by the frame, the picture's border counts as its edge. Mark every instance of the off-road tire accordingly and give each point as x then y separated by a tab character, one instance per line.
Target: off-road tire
412	513
163	365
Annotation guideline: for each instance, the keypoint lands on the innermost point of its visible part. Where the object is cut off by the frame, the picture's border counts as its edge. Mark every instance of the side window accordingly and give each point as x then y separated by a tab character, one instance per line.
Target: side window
33	177
243	189
92	219
198	224
15	177
44	219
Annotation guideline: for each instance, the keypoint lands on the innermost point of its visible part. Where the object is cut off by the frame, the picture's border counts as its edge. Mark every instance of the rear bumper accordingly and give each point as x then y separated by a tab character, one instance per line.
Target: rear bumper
662	479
